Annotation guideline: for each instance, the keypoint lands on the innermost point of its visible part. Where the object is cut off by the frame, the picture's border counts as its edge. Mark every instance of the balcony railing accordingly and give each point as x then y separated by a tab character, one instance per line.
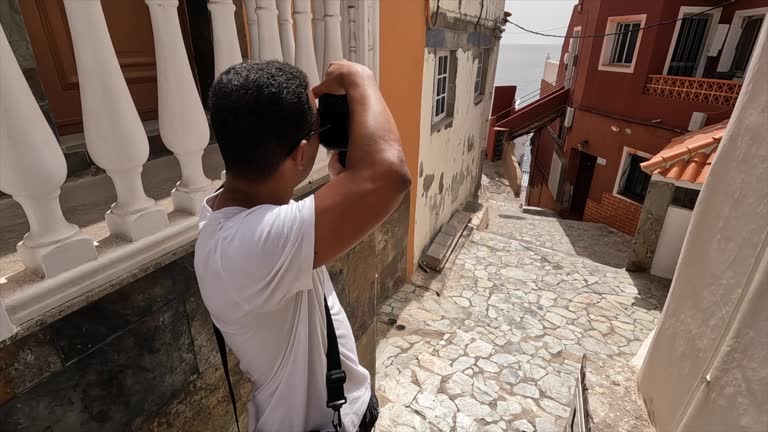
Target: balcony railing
701	90
57	261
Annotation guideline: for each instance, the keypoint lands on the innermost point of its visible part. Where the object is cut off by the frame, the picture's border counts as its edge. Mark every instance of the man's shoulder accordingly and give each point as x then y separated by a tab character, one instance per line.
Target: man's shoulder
262	230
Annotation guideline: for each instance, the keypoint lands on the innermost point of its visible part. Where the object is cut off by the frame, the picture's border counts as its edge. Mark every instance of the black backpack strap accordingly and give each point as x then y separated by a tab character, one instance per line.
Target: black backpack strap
335	377
225	364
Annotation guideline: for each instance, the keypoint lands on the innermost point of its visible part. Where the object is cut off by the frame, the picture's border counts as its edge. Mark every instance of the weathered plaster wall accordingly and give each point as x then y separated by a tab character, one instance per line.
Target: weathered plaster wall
450	156
449	159
143	358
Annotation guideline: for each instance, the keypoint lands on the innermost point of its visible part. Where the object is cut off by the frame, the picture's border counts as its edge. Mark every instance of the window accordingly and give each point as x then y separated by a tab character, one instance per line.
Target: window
625	42
740	43
620	49
693	40
442	73
479	74
633	181
749	33
691	36
573	58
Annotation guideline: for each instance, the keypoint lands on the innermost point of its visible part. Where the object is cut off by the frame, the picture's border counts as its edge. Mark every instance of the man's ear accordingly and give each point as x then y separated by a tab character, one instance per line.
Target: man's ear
299	155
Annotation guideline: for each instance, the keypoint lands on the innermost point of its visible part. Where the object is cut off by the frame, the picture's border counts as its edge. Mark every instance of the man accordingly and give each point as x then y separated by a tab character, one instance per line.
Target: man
260	256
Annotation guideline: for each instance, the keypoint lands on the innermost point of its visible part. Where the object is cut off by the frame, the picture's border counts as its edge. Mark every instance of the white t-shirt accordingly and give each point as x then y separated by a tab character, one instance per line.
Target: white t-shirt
254	268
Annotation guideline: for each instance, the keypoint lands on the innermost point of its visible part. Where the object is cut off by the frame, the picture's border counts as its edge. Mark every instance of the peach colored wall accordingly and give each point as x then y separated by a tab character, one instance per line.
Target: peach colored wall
403	30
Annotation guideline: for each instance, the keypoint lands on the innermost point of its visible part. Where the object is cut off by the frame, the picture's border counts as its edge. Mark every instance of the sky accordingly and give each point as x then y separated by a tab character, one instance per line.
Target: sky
546	16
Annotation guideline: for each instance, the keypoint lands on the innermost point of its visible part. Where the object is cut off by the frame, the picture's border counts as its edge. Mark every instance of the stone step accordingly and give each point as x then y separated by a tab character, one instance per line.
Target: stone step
596	242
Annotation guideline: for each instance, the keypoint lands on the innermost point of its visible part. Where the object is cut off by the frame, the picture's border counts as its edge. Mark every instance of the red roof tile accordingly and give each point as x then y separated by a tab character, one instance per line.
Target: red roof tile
688	158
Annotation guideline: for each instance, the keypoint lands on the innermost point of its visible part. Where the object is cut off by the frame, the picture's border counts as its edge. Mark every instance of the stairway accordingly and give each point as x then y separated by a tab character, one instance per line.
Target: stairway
536	114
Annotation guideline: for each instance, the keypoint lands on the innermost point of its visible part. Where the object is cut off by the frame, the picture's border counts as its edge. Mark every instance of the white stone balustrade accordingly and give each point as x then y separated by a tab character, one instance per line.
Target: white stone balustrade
32	170
114	134
332	49
318	30
183	125
305	49
226	46
269	35
352	37
32	166
253	28
285	23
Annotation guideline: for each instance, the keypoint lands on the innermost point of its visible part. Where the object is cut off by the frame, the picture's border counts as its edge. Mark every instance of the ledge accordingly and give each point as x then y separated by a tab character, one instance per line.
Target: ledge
28	303
442	124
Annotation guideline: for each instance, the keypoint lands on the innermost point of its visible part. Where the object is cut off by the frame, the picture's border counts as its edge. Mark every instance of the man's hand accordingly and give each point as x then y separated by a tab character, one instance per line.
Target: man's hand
342	77
375	179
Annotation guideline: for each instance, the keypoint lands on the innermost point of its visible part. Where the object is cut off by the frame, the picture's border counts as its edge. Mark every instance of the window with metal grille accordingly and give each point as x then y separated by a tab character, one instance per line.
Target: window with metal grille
749	33
634	181
625	43
442	72
689	46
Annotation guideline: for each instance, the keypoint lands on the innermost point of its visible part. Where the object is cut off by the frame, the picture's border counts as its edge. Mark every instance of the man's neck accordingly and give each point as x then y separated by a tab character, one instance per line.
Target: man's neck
249	193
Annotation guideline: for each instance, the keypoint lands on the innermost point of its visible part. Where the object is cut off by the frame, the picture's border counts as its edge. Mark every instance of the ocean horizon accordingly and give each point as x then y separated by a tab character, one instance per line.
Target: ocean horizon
522	65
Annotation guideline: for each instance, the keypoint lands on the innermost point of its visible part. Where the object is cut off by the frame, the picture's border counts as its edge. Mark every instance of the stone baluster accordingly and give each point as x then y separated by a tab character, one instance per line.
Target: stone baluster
114	135
366	39
285	23
226	46
305	48
318	31
332	50
32	170
352	34
269	34
253	28
183	125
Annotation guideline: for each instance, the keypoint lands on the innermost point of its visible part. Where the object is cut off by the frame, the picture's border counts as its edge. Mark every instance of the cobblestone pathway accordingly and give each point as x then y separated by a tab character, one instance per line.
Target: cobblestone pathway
499	347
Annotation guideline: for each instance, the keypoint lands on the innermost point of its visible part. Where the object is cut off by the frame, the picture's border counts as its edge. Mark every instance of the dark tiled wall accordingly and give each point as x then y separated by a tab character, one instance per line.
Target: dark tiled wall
143	358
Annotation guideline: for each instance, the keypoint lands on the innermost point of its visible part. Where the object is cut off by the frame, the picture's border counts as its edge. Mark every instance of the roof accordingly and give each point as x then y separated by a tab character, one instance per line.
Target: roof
689	157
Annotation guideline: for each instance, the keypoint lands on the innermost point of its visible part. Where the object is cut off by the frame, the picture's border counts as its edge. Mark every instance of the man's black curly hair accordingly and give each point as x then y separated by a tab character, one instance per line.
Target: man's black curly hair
260	111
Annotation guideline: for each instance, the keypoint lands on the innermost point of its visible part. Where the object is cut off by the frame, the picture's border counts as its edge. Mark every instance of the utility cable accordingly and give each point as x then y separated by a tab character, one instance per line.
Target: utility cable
658	24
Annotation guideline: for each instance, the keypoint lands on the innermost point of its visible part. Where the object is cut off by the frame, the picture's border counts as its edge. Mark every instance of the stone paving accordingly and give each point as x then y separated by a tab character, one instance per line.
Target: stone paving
497	346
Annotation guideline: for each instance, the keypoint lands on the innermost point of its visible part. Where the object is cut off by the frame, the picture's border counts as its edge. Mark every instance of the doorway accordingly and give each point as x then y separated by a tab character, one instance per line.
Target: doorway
583	183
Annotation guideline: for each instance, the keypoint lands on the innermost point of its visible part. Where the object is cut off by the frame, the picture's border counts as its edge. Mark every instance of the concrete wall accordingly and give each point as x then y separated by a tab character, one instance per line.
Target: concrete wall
670	242
705	368
542	150
649	227
143	358
450	156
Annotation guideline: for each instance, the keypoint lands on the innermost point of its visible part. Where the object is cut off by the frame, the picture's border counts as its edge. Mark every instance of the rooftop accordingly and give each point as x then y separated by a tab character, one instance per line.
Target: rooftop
688	158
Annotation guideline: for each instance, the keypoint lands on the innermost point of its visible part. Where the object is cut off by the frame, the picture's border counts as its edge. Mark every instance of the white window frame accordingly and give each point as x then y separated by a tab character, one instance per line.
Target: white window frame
622	165
574	46
447	75
710	36
734	34
608	42
479	88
